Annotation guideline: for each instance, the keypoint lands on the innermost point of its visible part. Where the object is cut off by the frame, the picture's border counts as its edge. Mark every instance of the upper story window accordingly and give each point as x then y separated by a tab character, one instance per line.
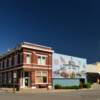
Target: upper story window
10	59
42	60
5	63
28	58
20	58
0	65
16	59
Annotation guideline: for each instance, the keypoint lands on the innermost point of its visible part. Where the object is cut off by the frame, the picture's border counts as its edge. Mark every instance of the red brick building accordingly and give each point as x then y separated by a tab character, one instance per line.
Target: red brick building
27	65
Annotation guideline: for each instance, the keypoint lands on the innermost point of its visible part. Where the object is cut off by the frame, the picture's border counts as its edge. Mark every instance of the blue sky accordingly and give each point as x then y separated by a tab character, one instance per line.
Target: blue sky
70	27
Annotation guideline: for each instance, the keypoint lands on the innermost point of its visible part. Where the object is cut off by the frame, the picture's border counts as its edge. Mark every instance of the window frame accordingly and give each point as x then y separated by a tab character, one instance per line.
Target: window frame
41	76
28	54
41	58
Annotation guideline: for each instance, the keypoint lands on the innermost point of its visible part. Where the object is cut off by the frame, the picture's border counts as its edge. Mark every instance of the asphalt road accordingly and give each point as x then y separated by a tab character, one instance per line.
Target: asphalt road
74	95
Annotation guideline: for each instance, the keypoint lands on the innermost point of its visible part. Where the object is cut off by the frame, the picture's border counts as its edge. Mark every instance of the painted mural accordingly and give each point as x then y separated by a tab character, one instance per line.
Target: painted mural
68	67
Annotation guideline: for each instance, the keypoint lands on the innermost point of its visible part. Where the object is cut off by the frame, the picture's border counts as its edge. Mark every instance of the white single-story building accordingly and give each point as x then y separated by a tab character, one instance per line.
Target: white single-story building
69	69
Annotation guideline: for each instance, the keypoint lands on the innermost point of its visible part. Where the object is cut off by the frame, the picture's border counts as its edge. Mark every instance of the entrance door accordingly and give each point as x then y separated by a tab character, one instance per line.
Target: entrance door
27	81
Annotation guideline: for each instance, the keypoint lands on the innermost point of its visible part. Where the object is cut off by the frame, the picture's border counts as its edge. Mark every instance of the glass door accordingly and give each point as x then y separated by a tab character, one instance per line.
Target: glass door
26	79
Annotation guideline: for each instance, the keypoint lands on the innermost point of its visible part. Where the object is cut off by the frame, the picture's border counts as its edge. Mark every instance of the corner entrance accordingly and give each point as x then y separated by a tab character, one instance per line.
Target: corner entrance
25	80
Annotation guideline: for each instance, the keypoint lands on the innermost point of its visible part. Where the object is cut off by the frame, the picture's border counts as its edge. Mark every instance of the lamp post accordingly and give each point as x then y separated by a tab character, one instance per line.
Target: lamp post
14	78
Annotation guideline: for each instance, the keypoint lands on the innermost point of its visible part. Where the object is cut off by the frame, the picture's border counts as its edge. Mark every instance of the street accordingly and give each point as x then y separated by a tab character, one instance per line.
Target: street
71	95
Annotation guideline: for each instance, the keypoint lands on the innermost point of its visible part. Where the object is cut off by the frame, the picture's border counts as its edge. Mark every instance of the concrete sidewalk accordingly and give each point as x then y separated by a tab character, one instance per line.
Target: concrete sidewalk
35	91
45	91
6	90
95	86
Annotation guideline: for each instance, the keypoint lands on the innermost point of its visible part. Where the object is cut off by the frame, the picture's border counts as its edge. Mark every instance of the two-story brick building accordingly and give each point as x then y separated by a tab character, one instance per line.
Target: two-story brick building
30	64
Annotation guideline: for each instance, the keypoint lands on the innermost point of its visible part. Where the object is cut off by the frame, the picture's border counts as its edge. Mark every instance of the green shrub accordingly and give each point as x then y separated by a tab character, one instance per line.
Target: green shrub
70	87
57	86
87	85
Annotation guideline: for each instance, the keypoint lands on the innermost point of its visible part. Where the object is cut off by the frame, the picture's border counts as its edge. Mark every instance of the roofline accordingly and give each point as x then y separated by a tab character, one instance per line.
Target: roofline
94	63
38	45
19	46
71	56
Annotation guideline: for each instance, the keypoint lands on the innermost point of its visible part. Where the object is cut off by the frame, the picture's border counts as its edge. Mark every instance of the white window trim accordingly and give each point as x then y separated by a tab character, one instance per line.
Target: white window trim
26	57
41	55
41	58
26	53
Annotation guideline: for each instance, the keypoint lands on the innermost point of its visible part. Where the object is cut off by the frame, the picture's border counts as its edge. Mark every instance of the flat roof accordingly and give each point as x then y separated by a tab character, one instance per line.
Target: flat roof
20	45
37	45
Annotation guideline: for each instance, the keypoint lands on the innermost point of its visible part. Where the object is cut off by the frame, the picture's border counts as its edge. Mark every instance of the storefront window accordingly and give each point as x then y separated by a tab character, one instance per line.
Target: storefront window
5	78
0	78
9	77
41	77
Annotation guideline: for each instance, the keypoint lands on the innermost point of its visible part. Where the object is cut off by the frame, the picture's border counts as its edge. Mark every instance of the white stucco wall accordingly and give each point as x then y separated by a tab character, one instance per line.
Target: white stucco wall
62	62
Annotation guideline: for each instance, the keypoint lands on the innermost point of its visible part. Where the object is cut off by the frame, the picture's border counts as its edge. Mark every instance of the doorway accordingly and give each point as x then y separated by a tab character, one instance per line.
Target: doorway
25	79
